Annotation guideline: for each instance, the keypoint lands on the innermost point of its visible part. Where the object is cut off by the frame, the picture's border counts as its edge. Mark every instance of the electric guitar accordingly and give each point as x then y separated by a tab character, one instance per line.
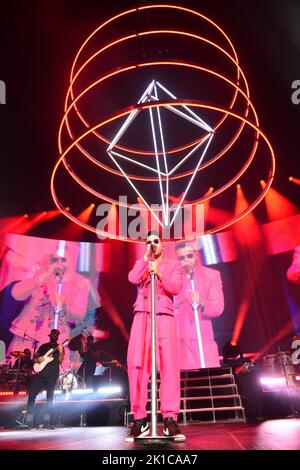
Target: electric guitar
246	367
48	357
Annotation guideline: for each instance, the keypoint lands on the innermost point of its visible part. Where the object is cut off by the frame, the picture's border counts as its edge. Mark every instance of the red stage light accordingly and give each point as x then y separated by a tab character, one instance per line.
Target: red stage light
285	331
278	206
294	180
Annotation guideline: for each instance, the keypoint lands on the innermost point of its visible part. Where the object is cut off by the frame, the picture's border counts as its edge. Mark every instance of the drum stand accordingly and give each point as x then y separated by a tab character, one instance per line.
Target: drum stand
60	424
153	438
283	364
21	423
16	386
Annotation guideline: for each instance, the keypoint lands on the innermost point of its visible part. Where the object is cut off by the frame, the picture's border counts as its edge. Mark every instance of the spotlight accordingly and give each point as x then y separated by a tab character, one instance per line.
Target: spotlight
296	380
263	183
109	390
273	383
82	391
232	354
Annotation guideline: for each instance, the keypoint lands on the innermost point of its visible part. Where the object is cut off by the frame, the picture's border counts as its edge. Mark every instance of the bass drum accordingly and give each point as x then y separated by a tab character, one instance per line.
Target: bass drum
68	381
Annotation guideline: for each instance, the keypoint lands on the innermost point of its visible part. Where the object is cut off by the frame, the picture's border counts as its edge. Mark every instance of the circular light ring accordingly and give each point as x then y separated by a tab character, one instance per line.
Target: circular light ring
157	6
182	33
214	230
113	201
103	197
146	64
161	6
136	10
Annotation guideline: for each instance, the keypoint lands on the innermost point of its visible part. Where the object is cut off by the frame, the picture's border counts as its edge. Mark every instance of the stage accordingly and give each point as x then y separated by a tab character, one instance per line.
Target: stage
280	434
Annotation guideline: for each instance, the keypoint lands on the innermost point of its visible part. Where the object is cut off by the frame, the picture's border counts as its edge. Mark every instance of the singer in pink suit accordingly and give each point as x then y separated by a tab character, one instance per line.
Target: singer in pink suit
208	296
293	289
168	283
293	273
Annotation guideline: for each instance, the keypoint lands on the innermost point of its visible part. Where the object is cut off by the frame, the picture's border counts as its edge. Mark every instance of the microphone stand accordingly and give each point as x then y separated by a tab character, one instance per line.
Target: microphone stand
34	341
196	308
59	276
153	437
153	351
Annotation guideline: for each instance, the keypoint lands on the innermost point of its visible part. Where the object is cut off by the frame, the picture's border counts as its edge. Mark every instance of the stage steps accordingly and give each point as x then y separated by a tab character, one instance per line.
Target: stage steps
207	395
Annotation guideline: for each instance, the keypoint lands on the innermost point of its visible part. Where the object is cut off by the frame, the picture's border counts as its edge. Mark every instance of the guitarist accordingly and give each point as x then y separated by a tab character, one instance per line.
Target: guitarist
46	379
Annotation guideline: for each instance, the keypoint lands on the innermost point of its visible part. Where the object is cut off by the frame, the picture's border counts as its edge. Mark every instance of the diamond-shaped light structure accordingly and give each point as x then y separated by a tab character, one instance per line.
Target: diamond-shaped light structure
163	166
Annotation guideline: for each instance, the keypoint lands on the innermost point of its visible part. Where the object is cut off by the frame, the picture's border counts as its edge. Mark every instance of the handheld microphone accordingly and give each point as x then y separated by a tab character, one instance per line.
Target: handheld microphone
58	276
153	250
153	247
58	273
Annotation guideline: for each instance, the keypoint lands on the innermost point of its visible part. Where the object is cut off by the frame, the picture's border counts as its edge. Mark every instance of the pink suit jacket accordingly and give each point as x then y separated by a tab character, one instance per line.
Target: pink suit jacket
170	285
293	273
209	285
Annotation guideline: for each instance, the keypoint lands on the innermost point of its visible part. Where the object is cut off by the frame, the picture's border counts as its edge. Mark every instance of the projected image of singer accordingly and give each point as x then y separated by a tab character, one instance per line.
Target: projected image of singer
202	292
293	289
168	283
55	296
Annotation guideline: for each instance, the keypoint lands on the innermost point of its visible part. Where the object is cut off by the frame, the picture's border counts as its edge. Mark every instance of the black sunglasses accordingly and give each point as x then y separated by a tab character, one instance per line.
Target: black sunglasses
56	259
156	241
190	256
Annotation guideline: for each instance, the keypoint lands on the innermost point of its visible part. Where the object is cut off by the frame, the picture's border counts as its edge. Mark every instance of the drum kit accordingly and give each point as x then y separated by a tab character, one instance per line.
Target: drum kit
13	378
280	364
69	381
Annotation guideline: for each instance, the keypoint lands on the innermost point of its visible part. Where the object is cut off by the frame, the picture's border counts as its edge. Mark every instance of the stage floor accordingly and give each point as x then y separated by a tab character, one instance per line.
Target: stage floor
276	434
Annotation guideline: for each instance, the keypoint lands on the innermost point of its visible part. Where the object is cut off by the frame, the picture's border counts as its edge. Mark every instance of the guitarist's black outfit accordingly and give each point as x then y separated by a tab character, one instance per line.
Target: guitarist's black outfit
45	380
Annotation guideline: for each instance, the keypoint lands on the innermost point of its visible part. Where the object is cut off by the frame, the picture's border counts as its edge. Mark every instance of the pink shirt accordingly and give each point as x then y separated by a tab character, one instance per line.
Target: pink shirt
170	285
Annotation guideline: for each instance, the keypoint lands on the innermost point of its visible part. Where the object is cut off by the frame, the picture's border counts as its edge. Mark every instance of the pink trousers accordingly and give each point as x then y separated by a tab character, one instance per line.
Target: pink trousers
139	364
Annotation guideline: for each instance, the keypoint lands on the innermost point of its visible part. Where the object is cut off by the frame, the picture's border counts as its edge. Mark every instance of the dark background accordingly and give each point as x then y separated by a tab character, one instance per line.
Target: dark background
39	40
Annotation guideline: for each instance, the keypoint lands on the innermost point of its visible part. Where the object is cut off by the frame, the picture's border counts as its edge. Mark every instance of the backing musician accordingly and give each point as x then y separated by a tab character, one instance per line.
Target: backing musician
90	353
45	380
24	363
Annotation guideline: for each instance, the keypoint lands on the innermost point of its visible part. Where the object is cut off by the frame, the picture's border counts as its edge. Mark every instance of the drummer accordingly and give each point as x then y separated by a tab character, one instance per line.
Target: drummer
90	354
24	363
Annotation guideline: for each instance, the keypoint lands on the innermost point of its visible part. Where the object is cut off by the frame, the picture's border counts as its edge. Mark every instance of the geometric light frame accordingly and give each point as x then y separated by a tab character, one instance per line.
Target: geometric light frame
151	94
206	197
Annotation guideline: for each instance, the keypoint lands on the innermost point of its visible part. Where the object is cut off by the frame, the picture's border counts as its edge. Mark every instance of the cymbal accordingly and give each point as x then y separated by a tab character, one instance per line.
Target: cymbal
114	362
17	354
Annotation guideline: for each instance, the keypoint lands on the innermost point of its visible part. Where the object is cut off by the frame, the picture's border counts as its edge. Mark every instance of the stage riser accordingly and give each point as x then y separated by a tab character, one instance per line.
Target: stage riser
69	414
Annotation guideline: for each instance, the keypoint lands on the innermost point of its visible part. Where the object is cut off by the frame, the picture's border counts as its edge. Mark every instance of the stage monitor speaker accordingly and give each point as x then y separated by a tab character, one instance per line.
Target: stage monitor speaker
275	404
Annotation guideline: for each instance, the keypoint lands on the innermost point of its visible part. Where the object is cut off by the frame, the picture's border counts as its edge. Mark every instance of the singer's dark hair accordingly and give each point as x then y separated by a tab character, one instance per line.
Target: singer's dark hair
152	232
